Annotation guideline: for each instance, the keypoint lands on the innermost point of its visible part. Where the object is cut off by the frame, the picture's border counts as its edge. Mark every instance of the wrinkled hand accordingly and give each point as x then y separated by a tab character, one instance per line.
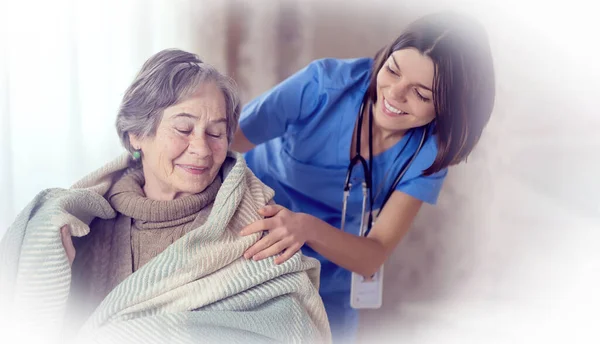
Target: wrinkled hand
65	236
287	232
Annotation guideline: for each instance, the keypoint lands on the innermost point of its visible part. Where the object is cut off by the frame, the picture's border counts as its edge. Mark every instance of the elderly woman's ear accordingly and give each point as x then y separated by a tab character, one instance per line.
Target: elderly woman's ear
134	141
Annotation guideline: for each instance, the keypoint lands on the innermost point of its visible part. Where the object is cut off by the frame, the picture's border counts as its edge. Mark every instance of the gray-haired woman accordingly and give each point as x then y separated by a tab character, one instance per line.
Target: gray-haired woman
156	254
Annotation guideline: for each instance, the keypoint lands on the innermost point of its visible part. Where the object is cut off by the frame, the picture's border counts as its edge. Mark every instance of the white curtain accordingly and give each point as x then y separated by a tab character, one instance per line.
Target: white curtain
64	65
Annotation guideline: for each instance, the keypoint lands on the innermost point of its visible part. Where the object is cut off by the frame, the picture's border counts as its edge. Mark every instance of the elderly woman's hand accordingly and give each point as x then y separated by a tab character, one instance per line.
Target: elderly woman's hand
287	232
65	236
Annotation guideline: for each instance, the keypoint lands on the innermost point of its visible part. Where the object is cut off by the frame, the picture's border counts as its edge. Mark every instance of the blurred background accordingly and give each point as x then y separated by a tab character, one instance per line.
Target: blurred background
509	255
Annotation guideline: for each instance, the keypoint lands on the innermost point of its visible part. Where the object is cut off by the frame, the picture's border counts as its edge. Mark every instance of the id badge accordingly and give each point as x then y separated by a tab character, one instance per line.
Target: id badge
367	292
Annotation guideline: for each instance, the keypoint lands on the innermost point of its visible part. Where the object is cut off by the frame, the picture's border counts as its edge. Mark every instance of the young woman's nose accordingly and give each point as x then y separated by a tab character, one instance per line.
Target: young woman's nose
399	91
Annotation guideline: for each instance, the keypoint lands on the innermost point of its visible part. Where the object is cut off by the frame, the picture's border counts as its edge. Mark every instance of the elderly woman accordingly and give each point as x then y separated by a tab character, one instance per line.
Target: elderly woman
157	255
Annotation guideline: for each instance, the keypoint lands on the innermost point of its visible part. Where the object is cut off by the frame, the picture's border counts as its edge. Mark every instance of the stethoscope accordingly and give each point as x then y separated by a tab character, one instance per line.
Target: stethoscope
367	184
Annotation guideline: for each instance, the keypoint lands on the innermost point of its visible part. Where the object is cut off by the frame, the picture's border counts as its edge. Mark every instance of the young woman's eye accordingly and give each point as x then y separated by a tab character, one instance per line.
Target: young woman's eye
423	99
390	70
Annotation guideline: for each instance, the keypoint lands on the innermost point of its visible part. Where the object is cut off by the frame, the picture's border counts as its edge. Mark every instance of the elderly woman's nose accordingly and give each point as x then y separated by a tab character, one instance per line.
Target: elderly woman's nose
199	146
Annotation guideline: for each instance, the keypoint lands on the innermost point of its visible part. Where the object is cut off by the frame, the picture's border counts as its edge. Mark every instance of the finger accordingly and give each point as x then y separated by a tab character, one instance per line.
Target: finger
271	210
287	254
260	245
65	236
257	226
272	250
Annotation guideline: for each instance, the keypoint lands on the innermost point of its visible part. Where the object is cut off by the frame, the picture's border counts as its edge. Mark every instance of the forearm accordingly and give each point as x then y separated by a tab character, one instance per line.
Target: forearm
362	255
240	142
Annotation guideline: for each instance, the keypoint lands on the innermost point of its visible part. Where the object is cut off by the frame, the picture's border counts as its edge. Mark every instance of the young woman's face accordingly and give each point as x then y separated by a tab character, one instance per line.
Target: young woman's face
404	91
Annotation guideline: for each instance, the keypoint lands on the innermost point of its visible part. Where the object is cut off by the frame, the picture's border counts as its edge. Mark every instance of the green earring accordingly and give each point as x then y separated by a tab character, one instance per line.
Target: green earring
137	154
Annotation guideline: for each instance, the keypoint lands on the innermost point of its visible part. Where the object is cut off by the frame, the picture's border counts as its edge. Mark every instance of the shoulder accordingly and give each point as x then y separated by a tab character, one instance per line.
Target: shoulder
429	150
427	154
415	183
258	192
334	73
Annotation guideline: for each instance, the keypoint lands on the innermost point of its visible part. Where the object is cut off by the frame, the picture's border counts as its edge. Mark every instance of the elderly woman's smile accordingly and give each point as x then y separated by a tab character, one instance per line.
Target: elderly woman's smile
193	169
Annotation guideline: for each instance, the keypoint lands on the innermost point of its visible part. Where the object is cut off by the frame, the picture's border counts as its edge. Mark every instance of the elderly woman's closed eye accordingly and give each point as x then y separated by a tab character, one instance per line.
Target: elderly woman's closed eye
156	254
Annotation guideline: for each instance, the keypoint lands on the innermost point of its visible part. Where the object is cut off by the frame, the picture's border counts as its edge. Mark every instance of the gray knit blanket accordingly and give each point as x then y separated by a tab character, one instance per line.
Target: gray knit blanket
199	290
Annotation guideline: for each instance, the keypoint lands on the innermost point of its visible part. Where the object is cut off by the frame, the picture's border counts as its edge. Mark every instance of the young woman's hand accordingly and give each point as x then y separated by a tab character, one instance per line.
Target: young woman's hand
287	232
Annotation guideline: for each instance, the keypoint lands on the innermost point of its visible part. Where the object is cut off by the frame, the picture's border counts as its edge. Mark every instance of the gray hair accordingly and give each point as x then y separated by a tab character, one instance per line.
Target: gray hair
165	79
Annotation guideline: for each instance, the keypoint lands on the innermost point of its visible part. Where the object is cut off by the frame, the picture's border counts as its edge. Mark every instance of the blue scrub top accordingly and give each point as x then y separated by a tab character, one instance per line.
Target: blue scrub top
303	130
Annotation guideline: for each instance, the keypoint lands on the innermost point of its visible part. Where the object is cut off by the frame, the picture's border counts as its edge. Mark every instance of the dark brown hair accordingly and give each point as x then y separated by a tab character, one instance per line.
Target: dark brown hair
463	82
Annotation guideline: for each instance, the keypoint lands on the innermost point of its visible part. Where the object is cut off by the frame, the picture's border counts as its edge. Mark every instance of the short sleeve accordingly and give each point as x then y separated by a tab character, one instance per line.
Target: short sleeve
269	115
424	188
